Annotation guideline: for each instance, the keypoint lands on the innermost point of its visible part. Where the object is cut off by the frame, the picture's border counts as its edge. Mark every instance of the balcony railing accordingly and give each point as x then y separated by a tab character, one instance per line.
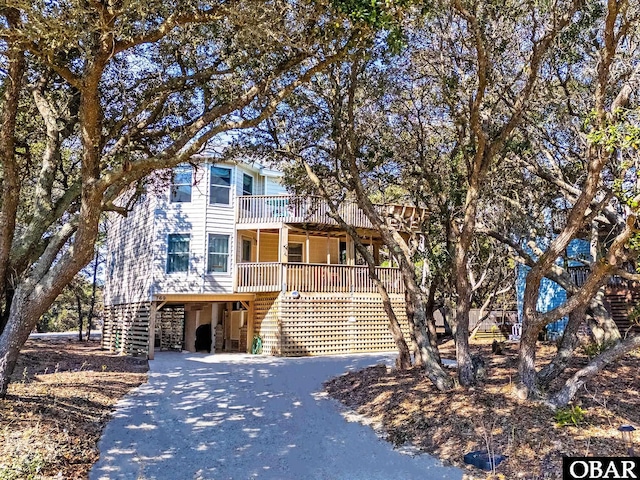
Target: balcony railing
265	209
317	278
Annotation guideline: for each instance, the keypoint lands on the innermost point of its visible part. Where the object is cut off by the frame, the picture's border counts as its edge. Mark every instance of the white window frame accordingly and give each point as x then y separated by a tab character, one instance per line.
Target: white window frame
229	187
173	185
228	254
178	272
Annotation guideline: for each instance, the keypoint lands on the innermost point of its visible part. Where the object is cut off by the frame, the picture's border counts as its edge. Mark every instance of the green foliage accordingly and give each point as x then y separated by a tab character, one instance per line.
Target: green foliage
634	315
593	349
63	315
26	467
573	415
623	134
380	15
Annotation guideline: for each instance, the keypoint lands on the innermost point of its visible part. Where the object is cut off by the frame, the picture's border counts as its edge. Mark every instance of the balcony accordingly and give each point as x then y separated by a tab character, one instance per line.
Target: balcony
316	278
276	209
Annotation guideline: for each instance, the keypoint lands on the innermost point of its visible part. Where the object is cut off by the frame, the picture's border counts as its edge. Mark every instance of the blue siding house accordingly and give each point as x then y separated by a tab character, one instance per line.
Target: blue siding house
551	294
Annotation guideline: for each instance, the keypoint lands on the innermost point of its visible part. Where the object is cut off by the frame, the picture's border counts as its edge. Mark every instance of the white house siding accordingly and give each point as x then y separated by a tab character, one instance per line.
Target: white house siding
198	219
130	252
220	220
273	186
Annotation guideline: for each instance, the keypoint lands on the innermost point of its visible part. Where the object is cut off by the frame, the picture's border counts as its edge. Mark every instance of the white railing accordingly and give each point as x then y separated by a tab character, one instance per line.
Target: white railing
317	278
259	277
261	209
292	209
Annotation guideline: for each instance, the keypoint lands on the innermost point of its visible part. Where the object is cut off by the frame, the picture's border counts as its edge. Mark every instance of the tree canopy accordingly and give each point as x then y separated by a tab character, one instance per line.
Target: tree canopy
97	95
515	124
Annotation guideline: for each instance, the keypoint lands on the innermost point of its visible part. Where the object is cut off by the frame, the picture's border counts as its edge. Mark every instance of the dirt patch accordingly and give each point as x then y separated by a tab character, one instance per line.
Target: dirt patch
61	397
448	425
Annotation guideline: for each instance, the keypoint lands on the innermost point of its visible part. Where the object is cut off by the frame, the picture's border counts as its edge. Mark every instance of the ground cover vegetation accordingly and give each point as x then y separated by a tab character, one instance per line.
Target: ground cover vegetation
410	412
61	397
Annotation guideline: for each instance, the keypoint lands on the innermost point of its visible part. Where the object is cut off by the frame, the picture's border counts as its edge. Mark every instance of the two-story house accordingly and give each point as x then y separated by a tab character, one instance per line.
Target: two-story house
223	253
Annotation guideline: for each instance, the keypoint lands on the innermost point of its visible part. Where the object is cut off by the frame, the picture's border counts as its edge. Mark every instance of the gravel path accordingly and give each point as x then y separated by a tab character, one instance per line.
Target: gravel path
241	417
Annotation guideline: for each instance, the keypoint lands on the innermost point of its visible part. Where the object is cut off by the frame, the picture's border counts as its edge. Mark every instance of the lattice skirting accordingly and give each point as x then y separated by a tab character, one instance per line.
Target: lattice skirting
317	324
313	324
126	328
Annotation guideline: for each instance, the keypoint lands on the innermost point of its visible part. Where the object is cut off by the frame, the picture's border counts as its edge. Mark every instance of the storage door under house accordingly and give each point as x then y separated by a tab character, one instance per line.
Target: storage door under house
233	329
169	332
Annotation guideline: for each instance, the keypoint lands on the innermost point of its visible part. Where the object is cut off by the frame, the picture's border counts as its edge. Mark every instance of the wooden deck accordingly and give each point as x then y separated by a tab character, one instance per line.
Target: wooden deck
316	278
277	209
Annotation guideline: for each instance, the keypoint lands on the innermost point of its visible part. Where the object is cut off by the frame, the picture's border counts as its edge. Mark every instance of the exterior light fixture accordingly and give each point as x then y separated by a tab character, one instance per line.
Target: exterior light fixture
627	437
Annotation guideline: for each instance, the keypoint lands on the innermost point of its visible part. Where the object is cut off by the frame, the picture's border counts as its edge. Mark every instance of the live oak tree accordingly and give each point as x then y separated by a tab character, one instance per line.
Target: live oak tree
113	91
588	153
482	62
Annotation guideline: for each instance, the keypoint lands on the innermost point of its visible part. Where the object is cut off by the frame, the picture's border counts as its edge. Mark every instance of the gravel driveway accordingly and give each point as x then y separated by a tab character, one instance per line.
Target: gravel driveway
240	417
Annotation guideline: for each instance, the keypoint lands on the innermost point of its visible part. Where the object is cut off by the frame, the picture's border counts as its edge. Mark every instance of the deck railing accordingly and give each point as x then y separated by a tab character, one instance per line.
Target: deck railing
265	209
292	209
259	277
317	278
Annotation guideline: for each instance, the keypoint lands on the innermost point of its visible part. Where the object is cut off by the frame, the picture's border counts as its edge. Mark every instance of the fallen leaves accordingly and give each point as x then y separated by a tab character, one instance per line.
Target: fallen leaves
61	397
451	424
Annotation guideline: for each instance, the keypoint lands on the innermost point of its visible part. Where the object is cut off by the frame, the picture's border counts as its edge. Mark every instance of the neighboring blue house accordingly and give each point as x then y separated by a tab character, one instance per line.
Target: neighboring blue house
551	294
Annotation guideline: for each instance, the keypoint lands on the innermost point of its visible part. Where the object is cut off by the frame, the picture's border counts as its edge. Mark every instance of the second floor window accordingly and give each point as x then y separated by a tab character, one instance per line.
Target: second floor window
247	184
218	253
220	189
181	181
178	253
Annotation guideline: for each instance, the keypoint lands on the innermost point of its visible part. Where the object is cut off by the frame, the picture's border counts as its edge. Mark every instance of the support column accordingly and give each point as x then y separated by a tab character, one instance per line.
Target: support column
250	326
153	313
328	250
258	247
308	249
283	256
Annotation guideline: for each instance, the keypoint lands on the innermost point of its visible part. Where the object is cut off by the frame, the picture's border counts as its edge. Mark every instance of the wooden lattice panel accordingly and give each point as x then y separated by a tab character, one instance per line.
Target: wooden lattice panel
324	324
170	321
267	322
126	328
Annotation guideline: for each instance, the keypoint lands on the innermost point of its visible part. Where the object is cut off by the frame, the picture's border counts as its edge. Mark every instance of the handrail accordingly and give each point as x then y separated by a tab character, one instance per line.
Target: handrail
265	209
315	277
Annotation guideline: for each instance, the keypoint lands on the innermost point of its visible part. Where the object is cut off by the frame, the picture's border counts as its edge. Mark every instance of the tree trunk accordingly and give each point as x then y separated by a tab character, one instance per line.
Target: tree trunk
23	317
604	329
410	311
466	373
570	342
528	388
93	297
404	355
573	384
80	316
10	181
429	307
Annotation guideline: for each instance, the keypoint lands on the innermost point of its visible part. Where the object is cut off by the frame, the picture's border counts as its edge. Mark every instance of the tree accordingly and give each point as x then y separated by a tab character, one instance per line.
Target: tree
72	307
126	88
603	193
